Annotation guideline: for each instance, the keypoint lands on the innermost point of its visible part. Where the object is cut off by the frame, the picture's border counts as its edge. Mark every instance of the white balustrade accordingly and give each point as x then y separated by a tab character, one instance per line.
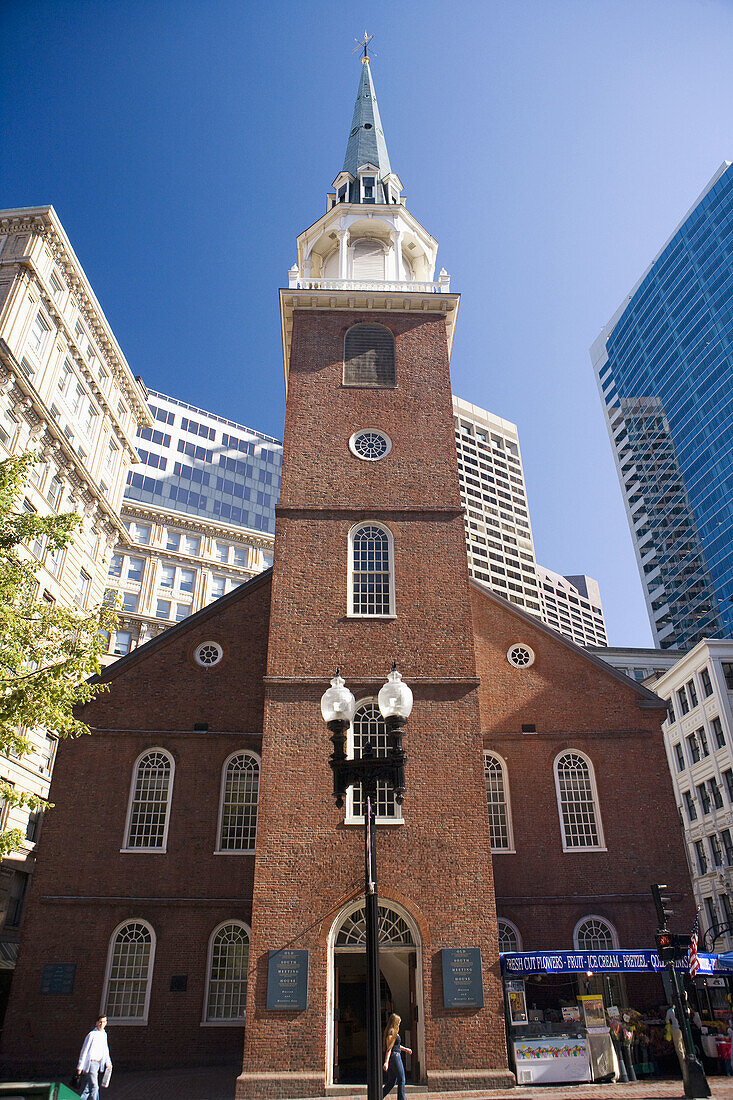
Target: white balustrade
298	283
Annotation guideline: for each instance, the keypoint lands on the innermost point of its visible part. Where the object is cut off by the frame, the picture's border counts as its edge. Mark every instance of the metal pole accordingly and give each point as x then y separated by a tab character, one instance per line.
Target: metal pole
374	1022
693	1074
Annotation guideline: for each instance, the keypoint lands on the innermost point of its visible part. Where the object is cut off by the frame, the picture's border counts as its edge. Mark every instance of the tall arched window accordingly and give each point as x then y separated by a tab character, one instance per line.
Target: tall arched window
226	978
129	973
509	938
149	807
593	933
369	357
239	794
371	571
368	725
497	799
577	800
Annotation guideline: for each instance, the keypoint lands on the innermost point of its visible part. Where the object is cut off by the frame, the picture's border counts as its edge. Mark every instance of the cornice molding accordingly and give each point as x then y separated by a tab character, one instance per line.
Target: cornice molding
138	510
43	222
368	300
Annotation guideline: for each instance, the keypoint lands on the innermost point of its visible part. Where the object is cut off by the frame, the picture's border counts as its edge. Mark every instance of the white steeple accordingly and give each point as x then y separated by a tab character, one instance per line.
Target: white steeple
367	237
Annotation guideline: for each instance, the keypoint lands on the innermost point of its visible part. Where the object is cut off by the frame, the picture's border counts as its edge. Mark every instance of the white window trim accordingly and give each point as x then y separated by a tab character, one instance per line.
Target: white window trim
162	850
601	845
350	613
512	925
604	920
136	1021
350	818
510	850
209	960
219	851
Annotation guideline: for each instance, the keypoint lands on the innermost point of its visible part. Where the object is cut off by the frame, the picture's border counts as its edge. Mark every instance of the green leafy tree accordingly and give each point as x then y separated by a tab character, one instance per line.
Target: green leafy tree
47	653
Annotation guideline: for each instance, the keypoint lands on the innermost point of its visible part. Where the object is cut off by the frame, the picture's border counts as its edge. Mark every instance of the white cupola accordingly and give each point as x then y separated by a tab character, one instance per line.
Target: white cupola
367	235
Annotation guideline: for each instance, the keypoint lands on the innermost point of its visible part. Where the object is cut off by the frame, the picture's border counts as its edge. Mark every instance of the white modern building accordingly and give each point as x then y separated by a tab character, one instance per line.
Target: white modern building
698	736
499	531
197	462
66	392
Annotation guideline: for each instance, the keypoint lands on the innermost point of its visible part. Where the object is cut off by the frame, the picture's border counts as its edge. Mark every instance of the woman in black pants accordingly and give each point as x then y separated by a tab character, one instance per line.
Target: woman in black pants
392	1050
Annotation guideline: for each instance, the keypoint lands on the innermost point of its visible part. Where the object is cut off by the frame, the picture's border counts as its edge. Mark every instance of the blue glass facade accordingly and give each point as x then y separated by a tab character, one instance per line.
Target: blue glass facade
665	372
193	461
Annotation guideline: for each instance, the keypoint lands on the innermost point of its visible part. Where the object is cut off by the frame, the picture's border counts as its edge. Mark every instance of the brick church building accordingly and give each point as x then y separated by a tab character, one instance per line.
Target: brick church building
195	831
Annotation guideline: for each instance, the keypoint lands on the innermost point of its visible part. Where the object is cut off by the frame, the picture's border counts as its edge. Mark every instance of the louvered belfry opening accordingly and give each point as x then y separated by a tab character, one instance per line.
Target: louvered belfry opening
369	358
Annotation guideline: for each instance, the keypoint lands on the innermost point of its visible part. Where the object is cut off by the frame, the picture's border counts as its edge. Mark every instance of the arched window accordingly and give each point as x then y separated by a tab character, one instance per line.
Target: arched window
149	808
238	813
580	819
371	571
593	933
393	929
497	799
129	973
226	980
509	938
368	725
369	358
368	261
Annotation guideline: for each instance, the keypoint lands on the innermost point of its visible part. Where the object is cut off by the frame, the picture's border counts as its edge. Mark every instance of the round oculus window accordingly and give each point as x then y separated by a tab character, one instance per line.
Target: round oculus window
208	654
520	656
370	444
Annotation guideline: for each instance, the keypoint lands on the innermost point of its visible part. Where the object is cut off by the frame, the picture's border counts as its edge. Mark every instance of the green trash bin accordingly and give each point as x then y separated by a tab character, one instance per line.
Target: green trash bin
36	1090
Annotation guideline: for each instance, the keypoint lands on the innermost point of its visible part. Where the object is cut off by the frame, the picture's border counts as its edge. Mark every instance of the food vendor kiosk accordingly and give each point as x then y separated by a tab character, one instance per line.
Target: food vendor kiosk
558	1006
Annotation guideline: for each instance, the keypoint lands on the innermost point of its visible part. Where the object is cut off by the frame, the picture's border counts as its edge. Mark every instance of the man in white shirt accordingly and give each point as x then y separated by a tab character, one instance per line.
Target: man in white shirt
94	1059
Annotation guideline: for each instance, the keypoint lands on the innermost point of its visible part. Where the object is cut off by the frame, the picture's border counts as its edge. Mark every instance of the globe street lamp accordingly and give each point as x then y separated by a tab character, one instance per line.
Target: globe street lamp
337	707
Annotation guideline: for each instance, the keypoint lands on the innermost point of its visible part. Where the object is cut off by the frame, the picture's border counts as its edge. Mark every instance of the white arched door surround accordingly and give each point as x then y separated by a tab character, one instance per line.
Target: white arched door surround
399	937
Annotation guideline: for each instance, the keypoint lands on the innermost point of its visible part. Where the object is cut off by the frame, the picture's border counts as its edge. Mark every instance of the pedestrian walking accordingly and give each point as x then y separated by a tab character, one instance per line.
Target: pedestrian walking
675	1036
392	1049
94	1059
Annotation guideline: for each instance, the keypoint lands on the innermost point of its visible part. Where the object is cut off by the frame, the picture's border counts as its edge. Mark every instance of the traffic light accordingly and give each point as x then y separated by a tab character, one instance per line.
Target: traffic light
672	945
663	903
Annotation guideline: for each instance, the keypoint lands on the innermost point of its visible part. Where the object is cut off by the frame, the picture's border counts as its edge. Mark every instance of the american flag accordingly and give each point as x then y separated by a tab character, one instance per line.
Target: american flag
692	959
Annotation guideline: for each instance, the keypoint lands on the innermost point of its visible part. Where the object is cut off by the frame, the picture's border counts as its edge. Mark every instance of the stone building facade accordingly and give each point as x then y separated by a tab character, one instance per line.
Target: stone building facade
67	393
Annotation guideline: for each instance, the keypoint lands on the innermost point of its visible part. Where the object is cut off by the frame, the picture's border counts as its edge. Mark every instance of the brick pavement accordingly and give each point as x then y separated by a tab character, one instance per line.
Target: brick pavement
217	1083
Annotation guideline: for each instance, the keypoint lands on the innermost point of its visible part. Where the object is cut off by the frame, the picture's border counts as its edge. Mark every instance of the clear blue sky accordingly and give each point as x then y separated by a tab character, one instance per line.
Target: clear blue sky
551	146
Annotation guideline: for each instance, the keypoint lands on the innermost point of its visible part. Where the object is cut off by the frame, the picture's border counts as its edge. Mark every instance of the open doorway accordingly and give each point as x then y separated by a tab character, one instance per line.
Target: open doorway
401	990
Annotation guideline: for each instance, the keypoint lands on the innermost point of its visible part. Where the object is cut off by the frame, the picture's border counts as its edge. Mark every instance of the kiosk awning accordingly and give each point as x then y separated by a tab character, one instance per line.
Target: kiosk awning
621	961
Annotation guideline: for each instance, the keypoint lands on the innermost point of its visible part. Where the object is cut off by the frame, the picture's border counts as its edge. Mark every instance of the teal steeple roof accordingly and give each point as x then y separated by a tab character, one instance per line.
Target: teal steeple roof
366	138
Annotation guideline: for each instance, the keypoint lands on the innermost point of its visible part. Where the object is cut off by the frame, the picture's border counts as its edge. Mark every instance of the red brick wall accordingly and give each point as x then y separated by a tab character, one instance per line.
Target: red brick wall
574	704
438	863
84	886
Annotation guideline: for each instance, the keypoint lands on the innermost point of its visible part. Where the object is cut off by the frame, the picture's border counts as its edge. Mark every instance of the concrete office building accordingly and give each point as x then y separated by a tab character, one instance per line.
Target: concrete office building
66	392
572	605
664	366
499	531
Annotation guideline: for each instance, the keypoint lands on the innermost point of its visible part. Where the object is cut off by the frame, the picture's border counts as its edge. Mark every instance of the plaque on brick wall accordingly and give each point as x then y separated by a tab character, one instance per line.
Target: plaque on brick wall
287	980
58	978
463	985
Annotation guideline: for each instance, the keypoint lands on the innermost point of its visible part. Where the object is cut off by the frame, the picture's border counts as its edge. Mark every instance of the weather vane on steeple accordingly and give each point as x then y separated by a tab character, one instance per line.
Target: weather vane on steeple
363	43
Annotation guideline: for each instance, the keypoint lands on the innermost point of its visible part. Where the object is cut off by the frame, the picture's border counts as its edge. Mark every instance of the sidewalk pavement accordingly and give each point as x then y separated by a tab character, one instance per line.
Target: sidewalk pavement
218	1082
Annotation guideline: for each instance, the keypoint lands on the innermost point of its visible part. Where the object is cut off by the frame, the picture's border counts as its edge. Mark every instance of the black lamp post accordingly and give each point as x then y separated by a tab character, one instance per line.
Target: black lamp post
337	707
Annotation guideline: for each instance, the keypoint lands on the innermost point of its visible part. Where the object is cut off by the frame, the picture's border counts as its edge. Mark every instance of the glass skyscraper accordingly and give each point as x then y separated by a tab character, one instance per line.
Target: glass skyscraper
194	461
664	366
